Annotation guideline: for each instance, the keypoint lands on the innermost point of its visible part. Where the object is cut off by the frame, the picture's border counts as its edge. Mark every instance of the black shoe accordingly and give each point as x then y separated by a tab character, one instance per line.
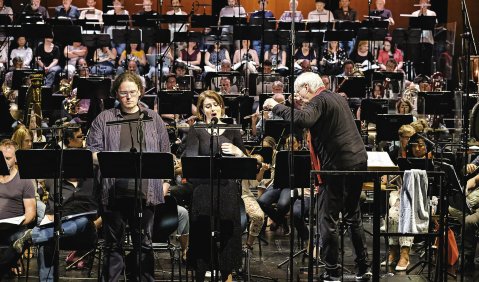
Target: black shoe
18	245
364	273
330	277
286	230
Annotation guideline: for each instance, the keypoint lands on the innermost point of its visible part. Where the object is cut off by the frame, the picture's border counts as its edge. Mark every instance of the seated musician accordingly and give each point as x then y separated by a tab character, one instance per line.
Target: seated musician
320	13
47	56
472	219
105	59
133	52
257	119
253	210
262	13
22	51
37	9
67	10
277	56
73	53
214	56
176	10
305	53
333	58
147	8
362	55
390	51
12	95
226	88
163	52
91	13
288	16
383	13
246	58
346	13
191	55
17	198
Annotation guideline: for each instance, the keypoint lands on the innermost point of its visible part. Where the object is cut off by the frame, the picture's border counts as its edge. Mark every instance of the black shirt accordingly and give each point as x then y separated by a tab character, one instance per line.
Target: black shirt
45	57
334	135
76	200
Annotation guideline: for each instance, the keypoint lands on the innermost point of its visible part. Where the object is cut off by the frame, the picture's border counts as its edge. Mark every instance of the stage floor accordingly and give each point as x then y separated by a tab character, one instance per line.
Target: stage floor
272	254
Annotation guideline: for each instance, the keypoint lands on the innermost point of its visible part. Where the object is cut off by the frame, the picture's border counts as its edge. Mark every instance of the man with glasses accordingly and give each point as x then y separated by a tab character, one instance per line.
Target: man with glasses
118	194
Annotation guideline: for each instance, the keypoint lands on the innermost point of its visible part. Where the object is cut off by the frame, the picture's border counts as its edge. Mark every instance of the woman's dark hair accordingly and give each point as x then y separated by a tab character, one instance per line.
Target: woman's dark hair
69	133
128	47
393	45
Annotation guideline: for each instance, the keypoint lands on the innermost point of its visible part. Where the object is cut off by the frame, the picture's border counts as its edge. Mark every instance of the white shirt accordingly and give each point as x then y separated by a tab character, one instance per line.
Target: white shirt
177	27
25	53
91	14
109	29
427	35
324	16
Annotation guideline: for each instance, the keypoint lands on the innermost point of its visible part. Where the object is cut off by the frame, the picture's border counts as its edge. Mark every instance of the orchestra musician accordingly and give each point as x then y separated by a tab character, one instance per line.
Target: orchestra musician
91	13
320	13
384	14
36	9
423	62
328	117
67	10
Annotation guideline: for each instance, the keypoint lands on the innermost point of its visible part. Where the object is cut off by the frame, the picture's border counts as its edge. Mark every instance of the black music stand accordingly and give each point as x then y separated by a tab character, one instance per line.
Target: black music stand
203	21
354	87
387	126
319	25
435	103
146	20
302	167
122	164
19	77
5	20
278	129
244	32
238	106
90	24
95	41
95	89
215	169
126	36
268	23
115	20
370	108
338	35
175	102
234	21
287	26
189	36
276	36
138	166
57	165
155	35
347	25
315	37
423	22
373	34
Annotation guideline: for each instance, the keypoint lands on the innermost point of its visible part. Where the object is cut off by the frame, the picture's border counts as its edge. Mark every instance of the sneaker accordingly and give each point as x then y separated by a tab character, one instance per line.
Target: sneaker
328	277
364	273
286	230
20	242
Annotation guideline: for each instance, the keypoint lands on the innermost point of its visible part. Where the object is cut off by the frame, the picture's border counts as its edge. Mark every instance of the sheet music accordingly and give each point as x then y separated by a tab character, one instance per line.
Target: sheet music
380	160
13	220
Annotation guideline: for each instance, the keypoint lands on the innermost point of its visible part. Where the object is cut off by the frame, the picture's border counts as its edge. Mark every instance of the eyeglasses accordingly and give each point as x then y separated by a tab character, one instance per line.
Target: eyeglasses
132	93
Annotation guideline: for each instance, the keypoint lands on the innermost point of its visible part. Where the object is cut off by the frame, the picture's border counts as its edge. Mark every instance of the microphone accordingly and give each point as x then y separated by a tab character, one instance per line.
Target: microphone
214	120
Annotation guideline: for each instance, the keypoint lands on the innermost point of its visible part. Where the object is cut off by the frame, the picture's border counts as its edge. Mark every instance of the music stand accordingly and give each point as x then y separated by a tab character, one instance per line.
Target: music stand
90	24
93	88
338	35
370	108
175	102
268	23
302	165
244	32
354	87
146	20
115	20
435	103
203	21
126	36
55	164
155	35
122	164
414	163
315	37
238	106
387	126
423	22
372	34
234	21
277	129
5	20
19	77
226	167
96	40
287	26
319	25
276	36
347	25
188	36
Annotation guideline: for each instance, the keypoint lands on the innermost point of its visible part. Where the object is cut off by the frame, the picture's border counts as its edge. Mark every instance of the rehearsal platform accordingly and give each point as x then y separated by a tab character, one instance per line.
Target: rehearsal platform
273	254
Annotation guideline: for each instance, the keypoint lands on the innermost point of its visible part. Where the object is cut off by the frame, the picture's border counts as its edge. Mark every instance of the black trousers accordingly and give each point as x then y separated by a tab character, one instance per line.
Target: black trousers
115	218
341	194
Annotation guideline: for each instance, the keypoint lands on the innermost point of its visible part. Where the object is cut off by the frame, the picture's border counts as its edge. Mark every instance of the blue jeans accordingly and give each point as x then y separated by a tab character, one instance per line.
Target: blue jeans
299	224
282	199
50	76
43	235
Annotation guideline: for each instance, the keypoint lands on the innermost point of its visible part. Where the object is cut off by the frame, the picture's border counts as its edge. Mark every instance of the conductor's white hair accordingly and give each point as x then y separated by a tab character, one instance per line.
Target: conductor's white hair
311	79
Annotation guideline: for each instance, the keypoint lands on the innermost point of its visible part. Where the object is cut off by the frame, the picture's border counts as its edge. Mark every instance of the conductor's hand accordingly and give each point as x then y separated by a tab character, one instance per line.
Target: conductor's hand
230	149
471	168
269	104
